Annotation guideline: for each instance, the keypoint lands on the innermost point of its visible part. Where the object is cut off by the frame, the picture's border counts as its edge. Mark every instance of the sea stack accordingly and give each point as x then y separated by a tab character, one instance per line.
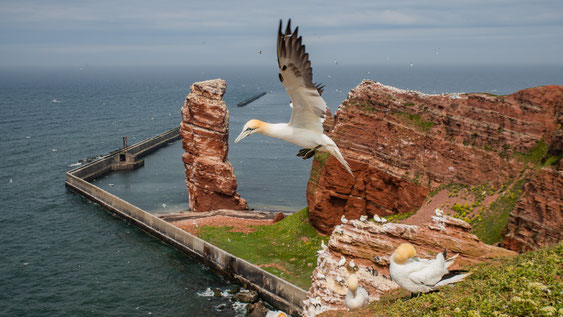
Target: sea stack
204	129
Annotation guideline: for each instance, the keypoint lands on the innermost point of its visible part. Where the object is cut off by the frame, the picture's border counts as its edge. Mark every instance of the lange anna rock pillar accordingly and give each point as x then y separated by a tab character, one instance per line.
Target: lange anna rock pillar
210	178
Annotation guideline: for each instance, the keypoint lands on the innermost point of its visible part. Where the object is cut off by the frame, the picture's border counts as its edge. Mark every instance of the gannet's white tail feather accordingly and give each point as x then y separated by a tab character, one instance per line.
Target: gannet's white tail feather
334	151
453	279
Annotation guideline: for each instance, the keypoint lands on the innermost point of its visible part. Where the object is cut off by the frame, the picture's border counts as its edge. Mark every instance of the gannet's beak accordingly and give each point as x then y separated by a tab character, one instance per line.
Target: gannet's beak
243	135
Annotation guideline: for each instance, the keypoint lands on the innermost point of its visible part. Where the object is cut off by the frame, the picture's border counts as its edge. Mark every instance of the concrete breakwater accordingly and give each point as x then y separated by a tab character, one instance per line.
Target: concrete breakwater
278	292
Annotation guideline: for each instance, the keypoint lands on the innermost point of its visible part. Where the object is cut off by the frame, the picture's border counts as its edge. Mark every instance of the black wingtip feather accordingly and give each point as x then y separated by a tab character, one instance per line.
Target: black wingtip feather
288	28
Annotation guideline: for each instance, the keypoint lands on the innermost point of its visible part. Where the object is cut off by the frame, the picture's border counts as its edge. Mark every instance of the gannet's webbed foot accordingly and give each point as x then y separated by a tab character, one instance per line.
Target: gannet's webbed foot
307	153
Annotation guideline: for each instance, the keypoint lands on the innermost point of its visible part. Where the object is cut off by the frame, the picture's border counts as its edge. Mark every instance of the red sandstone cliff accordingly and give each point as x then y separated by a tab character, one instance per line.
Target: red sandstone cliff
370	244
204	130
403	144
537	219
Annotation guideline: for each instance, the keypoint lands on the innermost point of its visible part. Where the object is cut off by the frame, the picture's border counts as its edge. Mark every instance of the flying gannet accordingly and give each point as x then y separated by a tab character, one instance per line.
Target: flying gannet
422	275
305	127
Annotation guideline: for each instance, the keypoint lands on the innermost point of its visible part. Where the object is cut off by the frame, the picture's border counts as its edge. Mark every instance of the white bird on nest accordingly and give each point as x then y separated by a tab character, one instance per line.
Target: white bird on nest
276	313
422	275
343	219
378	219
363	218
305	128
439	212
342	261
356	296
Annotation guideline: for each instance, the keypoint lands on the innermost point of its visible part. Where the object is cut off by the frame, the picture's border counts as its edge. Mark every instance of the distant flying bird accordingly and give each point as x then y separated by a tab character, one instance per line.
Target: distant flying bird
305	128
421	275
260	52
356	296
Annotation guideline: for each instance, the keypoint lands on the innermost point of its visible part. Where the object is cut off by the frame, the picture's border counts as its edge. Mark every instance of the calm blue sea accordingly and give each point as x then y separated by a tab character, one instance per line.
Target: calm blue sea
64	256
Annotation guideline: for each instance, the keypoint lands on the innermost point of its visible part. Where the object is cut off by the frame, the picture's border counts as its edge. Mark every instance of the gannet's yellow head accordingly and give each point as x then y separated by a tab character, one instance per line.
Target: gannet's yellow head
252	126
404	252
353	283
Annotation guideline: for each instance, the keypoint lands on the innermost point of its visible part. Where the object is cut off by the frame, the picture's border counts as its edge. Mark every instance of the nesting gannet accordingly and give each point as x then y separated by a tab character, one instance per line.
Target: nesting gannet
343	219
305	127
356	296
342	261
275	313
363	218
421	275
353	265
338	229
439	212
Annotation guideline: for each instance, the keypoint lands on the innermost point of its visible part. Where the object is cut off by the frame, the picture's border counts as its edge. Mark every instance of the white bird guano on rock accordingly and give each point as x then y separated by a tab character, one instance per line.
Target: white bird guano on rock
422	275
305	127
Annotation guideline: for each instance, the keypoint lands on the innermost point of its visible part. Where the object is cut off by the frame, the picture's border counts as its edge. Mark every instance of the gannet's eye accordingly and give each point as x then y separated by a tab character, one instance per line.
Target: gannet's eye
250	129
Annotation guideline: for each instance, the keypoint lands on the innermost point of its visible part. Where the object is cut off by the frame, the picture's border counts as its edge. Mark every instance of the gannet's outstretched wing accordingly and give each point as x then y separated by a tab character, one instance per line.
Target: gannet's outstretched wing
296	74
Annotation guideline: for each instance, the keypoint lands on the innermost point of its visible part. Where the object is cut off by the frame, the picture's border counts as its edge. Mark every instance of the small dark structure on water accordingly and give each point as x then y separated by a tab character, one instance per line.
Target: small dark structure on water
251	99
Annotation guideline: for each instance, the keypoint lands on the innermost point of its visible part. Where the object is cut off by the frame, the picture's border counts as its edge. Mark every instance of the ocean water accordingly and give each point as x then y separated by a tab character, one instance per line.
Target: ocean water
64	256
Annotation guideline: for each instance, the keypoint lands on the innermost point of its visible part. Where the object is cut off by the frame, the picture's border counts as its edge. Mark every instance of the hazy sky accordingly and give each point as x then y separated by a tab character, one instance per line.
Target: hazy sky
184	32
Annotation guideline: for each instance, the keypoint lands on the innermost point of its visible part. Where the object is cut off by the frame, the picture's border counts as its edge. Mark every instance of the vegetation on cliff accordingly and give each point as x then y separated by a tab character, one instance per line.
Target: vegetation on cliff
287	249
525	285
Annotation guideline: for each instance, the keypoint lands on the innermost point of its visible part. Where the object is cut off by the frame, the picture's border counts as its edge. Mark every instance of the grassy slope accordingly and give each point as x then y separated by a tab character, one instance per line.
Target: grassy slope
287	248
525	285
493	223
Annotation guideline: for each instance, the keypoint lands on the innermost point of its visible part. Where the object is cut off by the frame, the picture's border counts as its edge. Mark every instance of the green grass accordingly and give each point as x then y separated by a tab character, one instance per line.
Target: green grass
525	285
320	158
290	246
452	188
535	155
492	223
415	120
401	216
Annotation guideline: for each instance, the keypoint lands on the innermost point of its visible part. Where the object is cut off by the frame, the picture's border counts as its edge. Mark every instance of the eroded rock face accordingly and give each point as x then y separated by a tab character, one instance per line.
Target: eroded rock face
370	245
537	219
403	144
204	129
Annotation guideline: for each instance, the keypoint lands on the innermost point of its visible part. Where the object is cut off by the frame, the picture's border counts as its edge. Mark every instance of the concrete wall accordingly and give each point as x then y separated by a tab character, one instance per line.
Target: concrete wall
149	145
278	292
